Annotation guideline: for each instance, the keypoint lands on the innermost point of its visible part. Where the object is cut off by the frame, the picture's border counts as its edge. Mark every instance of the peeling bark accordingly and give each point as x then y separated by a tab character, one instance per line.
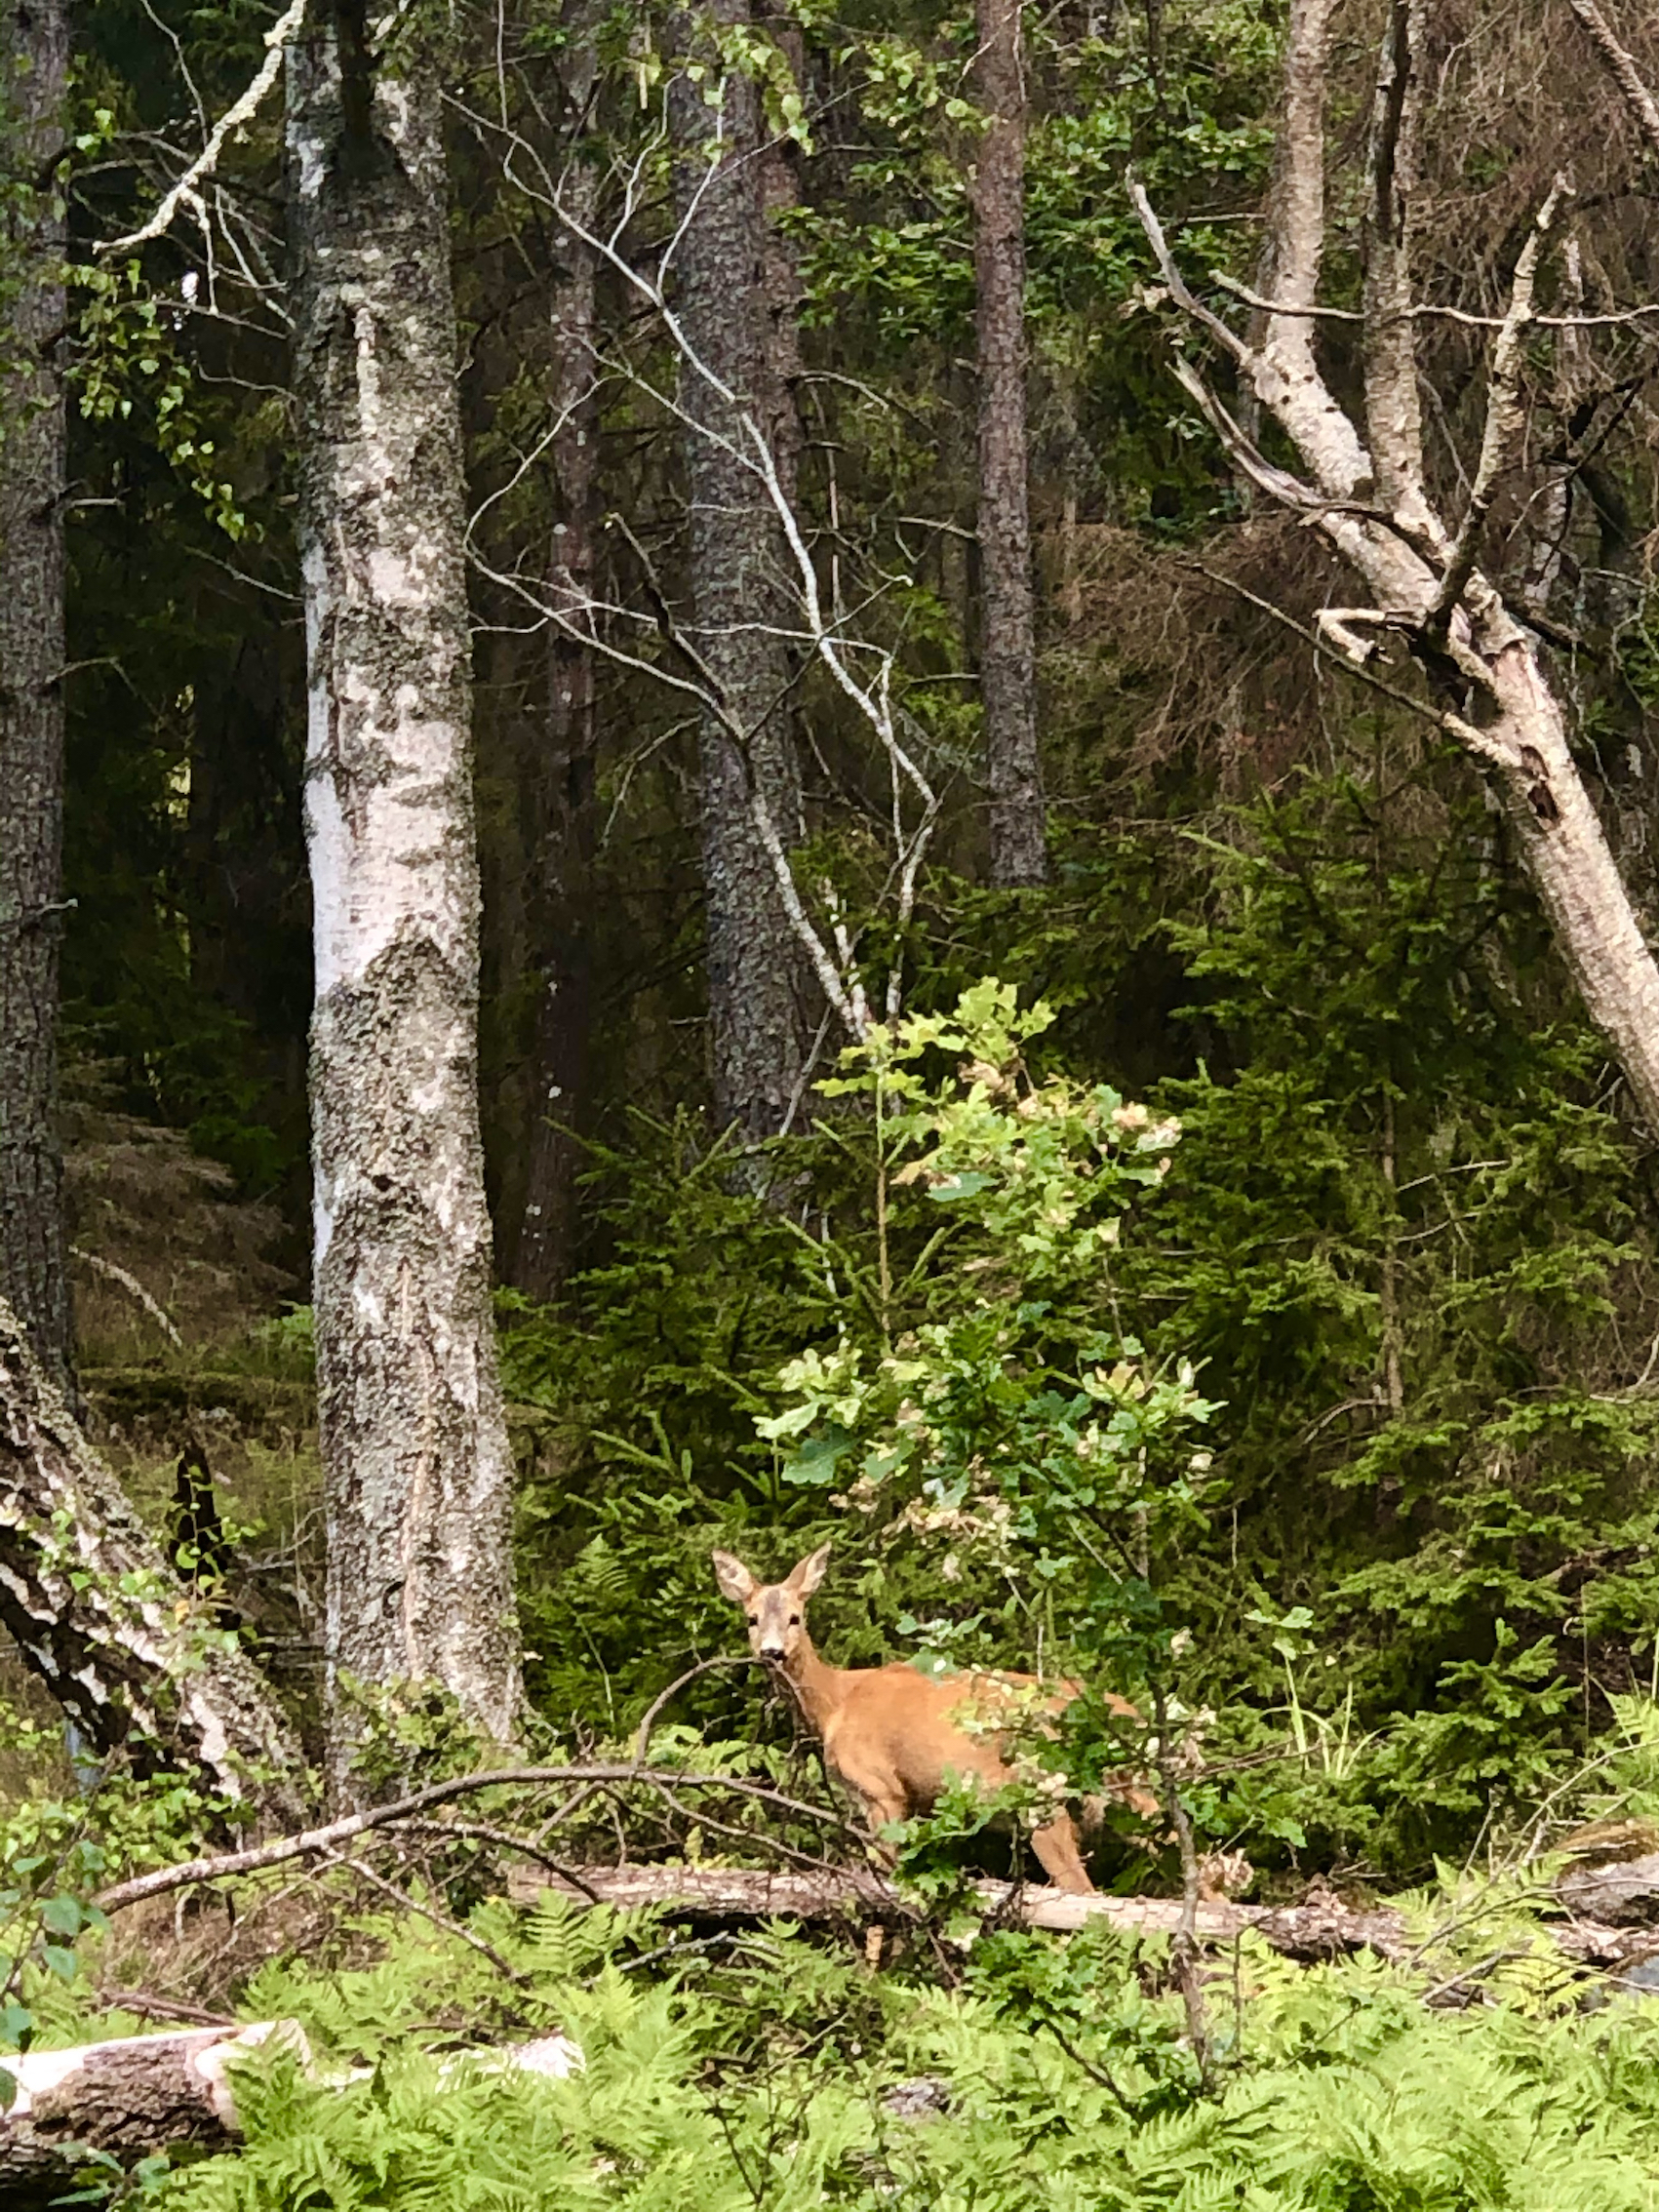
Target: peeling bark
1007	648
417	1463
757	1030
34	64
97	1613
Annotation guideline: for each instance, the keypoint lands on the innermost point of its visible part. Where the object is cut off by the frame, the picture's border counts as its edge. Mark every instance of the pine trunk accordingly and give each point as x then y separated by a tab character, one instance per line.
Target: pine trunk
559	800
416	1464
735	554
33	1274
1008	650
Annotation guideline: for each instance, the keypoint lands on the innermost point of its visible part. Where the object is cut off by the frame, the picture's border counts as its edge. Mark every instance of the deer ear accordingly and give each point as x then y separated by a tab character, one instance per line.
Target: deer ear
805	1577
733	1577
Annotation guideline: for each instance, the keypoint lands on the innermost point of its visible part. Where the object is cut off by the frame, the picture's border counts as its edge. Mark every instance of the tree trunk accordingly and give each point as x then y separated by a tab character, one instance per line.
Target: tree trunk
755	1019
561	780
1008	651
98	1614
417	1465
34	1269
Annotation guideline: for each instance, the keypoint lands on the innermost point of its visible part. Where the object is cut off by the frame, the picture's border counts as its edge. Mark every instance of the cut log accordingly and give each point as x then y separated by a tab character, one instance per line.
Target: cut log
139	2095
99	1615
127	2098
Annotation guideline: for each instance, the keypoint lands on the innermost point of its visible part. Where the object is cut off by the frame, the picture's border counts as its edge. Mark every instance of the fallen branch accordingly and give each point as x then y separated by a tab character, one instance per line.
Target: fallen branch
224	1866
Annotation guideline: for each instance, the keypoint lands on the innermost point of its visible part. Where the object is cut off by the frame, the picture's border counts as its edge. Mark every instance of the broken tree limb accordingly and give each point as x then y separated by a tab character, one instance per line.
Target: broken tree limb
99	1615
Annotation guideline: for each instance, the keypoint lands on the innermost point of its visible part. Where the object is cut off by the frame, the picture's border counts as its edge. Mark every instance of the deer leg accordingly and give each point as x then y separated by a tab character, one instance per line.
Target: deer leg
881	1801
1057	1854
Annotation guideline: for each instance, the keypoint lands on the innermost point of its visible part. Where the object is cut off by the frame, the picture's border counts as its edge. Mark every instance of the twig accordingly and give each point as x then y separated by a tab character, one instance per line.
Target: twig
183	193
134	1289
441	1920
703	1667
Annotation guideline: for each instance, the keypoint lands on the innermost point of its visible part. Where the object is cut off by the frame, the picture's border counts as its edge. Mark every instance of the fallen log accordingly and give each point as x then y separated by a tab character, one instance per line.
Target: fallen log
138	2095
127	2099
1318	1930
1623	1892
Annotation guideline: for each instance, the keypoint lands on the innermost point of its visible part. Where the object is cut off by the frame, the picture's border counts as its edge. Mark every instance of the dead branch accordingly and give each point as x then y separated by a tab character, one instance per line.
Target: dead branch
325	1841
1505	420
1621	66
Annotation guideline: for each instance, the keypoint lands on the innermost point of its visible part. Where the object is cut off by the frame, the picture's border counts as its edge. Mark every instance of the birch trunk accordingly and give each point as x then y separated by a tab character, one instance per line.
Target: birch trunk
97	1613
34	52
1008	650
756	1029
416	1464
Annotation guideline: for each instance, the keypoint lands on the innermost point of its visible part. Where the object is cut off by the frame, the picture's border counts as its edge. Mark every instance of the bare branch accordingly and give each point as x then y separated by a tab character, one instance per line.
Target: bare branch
1505	419
313	1842
1344	657
1621	66
1176	285
184	194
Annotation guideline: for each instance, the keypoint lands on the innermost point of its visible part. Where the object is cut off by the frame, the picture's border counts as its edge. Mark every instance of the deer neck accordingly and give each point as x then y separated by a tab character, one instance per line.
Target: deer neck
817	1687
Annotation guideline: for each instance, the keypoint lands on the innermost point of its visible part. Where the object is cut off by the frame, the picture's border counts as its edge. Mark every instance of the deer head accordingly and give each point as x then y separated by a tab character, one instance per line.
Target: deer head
776	1610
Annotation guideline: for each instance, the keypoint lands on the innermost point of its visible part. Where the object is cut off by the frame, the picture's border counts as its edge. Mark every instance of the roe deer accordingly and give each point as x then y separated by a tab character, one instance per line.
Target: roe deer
892	1733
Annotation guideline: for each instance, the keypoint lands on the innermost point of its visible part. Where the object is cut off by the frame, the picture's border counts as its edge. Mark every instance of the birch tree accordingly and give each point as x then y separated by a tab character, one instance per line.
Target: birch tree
35	52
417	1463
1364	486
1007	648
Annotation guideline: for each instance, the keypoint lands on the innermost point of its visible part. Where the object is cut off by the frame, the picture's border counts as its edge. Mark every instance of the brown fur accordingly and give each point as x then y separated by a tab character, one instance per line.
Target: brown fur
891	1734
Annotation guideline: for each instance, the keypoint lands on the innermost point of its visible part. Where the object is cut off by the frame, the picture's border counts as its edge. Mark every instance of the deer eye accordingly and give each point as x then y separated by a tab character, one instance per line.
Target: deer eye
753	1619
795	1620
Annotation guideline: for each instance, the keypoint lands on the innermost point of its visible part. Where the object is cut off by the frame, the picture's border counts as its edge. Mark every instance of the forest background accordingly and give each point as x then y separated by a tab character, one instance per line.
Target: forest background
1379	1332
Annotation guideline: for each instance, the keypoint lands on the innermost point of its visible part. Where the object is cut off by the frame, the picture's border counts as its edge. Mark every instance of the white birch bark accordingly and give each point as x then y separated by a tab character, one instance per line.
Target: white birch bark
99	1616
1366	495
416	1462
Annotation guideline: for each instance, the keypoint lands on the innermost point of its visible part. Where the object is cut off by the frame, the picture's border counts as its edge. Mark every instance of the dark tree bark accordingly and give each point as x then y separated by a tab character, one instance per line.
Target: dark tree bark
417	1463
757	1033
34	58
559	799
1007	648
98	1614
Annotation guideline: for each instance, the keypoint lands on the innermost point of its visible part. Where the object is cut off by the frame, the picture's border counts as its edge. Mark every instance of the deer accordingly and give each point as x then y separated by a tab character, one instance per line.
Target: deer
891	1734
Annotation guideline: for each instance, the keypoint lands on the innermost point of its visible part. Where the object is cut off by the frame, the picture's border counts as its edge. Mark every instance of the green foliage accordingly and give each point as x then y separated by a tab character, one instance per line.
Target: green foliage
1054	2075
